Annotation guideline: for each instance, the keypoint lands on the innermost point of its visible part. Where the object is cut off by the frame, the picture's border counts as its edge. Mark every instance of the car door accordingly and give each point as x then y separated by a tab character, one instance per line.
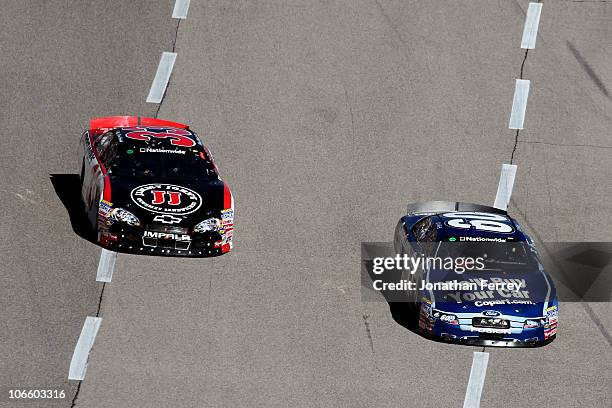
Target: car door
96	175
87	170
425	233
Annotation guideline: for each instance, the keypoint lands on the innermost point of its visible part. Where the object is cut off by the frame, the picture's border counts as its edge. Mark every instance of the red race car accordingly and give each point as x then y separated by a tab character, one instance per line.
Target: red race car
150	186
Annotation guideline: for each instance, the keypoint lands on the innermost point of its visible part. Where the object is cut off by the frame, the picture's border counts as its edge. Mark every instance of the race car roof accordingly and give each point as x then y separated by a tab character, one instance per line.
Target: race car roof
160	136
476	226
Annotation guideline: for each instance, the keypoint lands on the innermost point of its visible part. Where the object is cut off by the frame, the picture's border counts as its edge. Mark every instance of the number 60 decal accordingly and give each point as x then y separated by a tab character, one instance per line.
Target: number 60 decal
479	221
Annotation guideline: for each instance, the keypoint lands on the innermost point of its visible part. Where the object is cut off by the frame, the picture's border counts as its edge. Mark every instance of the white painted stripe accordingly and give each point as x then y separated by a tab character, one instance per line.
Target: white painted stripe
505	186
476	382
162	76
106	266
532	20
519	104
181	7
78	364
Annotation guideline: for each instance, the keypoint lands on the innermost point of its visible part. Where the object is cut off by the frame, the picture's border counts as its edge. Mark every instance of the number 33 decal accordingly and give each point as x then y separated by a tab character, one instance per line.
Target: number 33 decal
479	221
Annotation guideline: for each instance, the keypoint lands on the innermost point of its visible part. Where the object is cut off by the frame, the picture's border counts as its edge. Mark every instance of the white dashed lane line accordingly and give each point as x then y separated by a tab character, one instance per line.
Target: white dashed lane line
162	76
476	381
532	20
505	186
181	7
106	266
519	104
78	364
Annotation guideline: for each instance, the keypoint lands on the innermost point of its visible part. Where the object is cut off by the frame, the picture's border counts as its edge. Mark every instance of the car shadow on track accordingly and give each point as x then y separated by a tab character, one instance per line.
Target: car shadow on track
67	188
407	315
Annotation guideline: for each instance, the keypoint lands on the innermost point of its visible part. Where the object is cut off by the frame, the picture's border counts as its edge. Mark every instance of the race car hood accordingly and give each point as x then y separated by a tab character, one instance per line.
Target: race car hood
181	204
536	291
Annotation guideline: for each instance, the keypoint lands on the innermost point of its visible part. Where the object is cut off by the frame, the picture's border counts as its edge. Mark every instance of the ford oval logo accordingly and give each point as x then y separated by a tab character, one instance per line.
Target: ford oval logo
166	199
491	313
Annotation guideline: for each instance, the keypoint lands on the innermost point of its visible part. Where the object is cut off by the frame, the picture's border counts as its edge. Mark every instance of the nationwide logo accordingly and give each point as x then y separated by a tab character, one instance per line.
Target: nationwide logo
166	199
481	239
155	150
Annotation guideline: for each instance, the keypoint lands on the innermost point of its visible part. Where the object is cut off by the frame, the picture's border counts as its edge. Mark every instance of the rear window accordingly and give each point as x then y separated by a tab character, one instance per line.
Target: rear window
496	255
163	163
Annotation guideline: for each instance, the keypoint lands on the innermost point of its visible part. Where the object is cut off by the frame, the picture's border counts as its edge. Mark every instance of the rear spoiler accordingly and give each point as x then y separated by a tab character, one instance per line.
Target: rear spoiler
112	122
450	206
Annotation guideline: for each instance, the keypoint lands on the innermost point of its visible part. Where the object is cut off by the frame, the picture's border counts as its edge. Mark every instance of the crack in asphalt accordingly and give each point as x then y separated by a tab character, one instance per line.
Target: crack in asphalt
565	144
350	109
393	27
76	395
523	64
100	300
178	24
515	146
78	390
516	136
368	331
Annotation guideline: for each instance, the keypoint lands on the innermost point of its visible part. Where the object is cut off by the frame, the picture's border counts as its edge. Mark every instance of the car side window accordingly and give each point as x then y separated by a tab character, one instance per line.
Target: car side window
420	228
431	234
426	234
109	150
102	142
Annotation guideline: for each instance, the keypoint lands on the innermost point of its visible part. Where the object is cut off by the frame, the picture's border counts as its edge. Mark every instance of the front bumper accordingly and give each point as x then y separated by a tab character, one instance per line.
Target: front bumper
489	340
135	243
468	334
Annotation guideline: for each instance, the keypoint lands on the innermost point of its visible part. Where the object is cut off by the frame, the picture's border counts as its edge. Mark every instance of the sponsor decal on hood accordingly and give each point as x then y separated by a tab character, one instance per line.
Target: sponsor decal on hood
165	198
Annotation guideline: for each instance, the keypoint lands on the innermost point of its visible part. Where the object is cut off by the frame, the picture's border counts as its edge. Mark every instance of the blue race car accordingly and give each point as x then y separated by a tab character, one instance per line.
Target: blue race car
508	300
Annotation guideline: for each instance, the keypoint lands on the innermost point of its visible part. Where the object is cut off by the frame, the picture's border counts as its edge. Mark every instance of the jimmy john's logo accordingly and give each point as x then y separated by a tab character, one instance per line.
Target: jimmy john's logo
166	199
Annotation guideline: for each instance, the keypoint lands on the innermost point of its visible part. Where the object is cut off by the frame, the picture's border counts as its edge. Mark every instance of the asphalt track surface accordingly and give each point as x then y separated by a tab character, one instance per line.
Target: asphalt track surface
326	118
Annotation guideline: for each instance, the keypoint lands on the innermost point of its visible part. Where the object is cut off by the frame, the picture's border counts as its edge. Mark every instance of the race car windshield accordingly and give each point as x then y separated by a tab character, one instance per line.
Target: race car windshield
494	254
164	166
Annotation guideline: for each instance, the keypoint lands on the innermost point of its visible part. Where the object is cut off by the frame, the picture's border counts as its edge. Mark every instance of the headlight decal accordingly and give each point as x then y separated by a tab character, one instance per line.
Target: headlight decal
123	215
446	317
210	224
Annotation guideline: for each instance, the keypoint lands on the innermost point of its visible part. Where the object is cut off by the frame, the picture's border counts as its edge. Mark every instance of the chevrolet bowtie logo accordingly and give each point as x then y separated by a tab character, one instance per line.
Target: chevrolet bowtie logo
167	219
